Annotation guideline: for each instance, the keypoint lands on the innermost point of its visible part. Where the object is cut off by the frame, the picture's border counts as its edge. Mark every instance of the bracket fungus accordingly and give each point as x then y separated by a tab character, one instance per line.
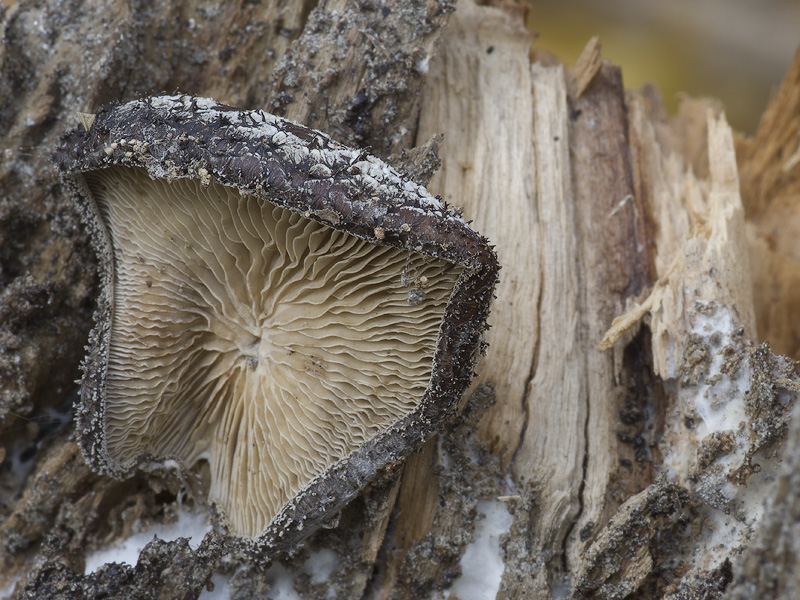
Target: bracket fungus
291	315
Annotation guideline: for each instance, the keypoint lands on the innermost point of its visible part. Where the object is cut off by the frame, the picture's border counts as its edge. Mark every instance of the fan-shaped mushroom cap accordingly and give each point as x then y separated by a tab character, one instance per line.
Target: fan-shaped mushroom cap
289	310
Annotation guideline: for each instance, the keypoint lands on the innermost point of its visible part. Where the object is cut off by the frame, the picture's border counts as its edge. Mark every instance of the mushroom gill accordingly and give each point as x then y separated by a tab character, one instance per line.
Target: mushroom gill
243	334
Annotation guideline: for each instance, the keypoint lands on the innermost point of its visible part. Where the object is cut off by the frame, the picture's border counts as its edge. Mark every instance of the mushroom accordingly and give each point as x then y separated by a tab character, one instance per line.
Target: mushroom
288	314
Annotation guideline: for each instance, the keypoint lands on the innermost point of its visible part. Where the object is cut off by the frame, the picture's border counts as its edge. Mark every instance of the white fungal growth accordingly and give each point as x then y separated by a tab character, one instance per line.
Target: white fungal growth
709	443
320	171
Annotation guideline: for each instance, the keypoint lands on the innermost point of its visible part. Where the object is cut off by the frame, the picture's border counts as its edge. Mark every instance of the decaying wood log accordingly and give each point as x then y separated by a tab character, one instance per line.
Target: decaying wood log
629	420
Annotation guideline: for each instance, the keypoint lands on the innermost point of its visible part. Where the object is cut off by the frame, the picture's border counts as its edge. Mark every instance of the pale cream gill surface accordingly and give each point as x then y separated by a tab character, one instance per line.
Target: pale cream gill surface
267	343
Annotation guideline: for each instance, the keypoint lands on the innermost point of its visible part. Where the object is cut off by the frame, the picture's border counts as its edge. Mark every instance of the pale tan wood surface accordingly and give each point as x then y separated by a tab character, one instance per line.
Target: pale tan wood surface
476	94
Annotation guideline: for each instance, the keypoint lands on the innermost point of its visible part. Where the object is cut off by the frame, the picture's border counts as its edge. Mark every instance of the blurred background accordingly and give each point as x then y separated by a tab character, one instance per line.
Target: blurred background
733	50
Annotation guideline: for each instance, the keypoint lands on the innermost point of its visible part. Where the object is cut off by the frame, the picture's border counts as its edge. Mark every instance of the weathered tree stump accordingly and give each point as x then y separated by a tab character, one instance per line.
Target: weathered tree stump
629	420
